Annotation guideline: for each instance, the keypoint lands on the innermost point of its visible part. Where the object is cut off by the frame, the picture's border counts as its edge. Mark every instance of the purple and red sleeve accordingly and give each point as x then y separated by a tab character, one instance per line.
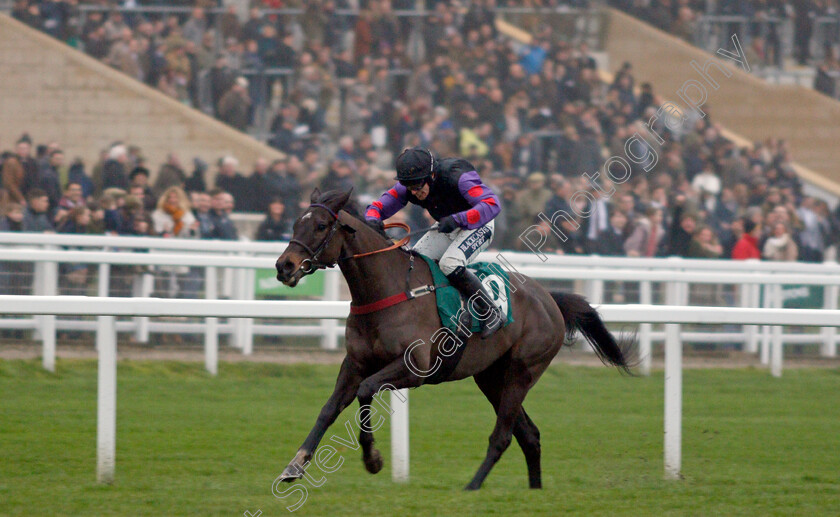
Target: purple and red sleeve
388	204
485	204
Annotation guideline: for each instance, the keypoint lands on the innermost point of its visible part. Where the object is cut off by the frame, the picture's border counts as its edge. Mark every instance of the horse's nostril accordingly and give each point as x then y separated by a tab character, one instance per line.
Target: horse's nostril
288	267
280	270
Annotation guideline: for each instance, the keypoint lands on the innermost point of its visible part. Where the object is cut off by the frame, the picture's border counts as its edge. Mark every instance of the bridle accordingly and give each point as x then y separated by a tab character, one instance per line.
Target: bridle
312	264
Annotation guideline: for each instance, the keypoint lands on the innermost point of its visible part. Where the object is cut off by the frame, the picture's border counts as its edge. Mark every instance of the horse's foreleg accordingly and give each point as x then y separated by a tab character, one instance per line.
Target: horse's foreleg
370	456
394	376
346	386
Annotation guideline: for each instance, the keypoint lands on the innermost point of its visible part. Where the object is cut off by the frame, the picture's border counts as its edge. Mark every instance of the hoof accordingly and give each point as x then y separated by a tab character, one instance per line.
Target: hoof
291	473
471	487
373	463
294	470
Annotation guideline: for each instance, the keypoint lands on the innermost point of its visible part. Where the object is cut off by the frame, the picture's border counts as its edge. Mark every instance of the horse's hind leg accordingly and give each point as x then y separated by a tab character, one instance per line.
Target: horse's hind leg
528	436
514	386
524	429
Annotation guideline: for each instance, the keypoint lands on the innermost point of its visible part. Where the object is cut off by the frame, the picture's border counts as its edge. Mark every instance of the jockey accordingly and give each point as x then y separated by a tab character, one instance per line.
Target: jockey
451	190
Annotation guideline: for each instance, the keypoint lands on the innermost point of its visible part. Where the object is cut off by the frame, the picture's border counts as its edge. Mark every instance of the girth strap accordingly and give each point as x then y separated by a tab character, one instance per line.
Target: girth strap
392	300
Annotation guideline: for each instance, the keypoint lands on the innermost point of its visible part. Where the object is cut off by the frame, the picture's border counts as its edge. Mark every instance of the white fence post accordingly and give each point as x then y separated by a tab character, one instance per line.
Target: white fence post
746	294
103	282
142	287
645	348
49	287
329	339
106	419
248	292
673	402
399	435
765	329
211	325
239	324
829	334
38	289
777	351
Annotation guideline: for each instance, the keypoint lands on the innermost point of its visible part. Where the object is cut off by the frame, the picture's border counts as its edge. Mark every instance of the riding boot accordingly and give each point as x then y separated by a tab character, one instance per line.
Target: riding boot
468	285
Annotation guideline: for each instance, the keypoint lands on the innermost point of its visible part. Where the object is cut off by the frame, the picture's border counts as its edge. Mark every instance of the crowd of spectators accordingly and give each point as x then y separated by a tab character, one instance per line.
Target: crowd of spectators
532	119
763	39
766	17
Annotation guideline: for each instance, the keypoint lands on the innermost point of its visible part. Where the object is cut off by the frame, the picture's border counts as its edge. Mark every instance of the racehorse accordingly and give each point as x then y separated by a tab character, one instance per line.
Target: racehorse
505	366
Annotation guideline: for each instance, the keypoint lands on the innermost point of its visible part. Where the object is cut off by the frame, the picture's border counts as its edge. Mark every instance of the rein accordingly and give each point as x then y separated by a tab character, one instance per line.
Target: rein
312	264
400	243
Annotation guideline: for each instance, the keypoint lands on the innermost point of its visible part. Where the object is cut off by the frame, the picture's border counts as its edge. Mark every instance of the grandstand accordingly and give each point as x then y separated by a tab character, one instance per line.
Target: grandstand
622	139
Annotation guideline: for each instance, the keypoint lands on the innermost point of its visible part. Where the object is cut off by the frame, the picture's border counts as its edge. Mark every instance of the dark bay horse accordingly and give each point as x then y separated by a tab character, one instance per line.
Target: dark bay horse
505	366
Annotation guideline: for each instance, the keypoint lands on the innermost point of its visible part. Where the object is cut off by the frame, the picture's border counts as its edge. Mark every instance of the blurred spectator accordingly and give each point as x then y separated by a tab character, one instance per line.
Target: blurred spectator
13	176
815	228
201	210
174	217
647	235
196	183
221	206
71	199
235	105
12	218
339	177
704	244
48	178
35	215
780	246
139	178
276	225
611	242
231	181
747	245
113	170
23	150
76	174
532	200
263	186
171	174
74	276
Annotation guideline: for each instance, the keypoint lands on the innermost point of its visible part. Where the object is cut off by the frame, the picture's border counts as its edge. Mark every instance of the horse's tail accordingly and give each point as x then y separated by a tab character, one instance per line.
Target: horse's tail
580	316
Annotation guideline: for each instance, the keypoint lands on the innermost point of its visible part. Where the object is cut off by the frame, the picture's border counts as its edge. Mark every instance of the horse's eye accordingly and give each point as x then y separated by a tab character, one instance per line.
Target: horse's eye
322	227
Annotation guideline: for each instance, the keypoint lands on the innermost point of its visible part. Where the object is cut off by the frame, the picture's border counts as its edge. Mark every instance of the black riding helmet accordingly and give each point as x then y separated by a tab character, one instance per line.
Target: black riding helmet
414	166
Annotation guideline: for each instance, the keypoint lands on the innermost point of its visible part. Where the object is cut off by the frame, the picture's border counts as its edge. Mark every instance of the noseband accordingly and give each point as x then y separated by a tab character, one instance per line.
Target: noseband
312	264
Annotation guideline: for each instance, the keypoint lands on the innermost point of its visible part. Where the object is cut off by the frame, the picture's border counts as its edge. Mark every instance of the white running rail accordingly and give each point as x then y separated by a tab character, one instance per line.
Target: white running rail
108	308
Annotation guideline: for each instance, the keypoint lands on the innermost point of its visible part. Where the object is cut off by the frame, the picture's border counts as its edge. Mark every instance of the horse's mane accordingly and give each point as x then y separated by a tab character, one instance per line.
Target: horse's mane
351	207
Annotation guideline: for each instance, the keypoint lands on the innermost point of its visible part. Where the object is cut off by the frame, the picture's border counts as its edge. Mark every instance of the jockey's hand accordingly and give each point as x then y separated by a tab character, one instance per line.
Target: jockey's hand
448	224
376	224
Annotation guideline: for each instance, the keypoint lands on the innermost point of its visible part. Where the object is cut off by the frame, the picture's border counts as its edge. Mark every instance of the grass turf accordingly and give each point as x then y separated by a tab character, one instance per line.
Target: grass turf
189	444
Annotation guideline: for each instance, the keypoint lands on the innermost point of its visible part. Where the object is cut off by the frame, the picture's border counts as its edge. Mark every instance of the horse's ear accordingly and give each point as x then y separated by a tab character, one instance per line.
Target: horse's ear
315	195
342	200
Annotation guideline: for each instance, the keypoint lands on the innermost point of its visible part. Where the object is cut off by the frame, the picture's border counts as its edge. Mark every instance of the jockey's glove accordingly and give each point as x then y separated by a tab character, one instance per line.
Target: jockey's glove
376	224
448	224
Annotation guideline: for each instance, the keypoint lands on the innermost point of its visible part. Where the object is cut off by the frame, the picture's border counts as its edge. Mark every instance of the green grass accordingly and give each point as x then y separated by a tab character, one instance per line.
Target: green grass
189	444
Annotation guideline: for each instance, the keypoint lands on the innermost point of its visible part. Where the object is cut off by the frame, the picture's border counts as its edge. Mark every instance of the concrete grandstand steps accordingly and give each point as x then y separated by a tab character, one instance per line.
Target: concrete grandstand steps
750	108
57	93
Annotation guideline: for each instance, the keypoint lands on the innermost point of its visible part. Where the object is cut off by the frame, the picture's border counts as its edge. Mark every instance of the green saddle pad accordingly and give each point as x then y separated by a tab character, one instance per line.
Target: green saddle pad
495	280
